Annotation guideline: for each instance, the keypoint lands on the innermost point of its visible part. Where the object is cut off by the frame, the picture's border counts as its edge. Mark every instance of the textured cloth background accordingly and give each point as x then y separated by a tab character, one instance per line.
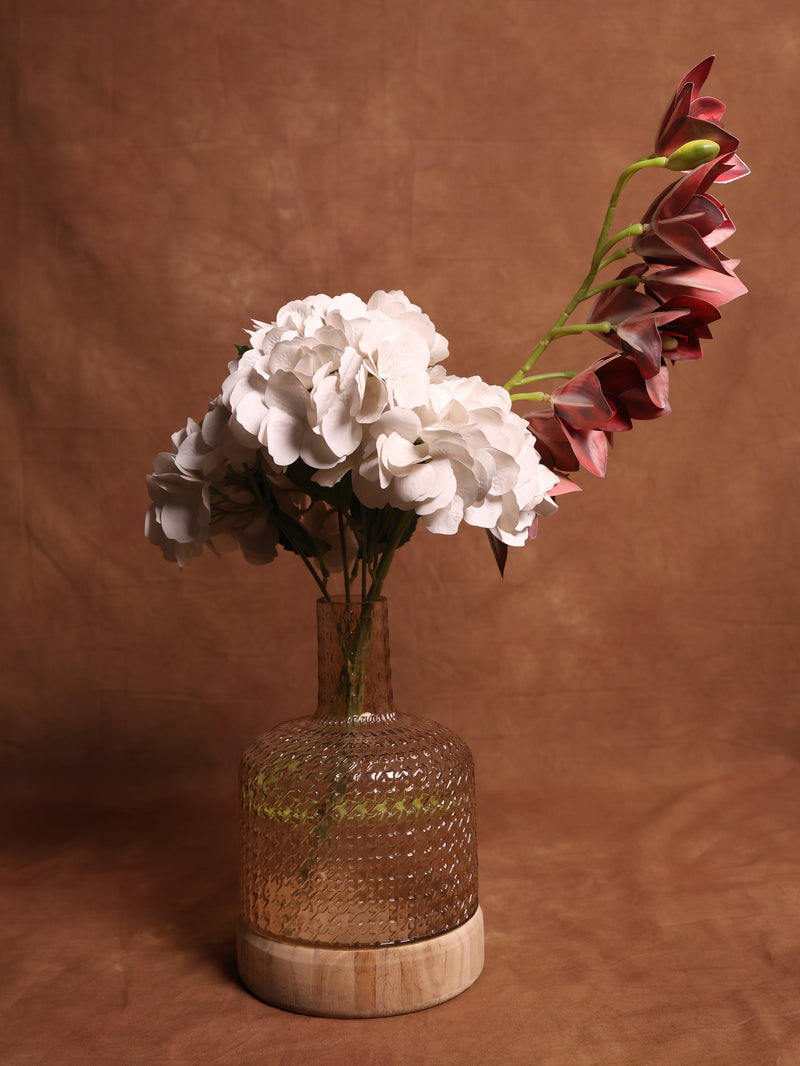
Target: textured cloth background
630	689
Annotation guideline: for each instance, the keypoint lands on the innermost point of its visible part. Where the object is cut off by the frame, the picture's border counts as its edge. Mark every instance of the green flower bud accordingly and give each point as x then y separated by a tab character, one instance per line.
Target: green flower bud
693	154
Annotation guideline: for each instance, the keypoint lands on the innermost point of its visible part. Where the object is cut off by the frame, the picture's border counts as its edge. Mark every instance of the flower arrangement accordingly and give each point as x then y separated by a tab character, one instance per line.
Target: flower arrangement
338	428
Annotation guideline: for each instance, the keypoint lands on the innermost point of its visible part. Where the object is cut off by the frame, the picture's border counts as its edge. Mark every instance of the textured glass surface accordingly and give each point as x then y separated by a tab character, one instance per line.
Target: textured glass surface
358	824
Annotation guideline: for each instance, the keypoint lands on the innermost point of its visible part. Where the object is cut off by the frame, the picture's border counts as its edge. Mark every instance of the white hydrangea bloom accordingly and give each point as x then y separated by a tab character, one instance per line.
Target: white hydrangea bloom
346	387
179	520
463	456
183	517
325	370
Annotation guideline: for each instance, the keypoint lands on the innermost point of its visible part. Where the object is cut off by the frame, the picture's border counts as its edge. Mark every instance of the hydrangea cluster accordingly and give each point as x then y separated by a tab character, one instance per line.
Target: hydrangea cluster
338	389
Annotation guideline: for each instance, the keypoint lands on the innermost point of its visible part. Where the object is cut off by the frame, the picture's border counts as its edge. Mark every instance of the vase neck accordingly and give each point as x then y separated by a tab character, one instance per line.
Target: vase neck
353	656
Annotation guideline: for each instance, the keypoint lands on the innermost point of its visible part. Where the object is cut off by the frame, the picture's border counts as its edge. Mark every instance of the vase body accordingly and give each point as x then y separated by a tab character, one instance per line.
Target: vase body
357	823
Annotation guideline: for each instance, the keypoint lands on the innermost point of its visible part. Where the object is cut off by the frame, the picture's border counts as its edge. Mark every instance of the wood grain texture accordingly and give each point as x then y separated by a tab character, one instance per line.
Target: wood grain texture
361	982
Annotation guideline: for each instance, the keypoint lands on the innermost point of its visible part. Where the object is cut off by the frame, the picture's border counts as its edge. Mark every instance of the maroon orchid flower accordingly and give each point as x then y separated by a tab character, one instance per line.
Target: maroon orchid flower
692	117
591	407
552	443
681	337
572	432
637	321
685	224
663	313
632	395
710	286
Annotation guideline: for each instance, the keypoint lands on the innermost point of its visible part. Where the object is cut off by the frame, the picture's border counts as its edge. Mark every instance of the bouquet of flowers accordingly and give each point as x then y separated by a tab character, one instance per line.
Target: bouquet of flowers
338	427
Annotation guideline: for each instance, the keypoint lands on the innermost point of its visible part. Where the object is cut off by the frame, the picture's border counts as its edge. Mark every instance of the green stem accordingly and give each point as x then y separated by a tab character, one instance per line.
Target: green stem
618	283
622	181
538	397
382	569
636	230
599	260
619	254
547	377
363	541
585	327
308	565
343	543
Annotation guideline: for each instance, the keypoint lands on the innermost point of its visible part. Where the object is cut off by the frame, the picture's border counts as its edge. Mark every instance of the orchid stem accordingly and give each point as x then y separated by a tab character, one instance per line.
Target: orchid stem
636	230
547	377
600	259
538	397
585	327
619	254
618	283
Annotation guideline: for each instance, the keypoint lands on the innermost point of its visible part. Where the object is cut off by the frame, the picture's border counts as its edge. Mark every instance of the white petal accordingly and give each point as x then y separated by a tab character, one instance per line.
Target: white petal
250	415
282	436
397	455
447	519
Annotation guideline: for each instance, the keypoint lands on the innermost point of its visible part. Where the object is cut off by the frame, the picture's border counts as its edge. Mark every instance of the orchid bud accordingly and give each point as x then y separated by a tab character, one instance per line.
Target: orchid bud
693	154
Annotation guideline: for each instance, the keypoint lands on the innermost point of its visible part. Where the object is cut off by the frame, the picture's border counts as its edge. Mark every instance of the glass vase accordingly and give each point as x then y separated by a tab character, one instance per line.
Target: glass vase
359	878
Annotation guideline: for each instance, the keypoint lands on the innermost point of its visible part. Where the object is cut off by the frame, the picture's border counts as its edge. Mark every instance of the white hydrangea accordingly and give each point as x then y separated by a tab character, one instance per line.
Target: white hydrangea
463	456
181	486
345	385
185	514
180	512
325	370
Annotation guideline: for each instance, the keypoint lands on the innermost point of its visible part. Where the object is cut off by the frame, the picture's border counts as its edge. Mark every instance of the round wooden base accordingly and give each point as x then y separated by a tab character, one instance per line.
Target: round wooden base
361	982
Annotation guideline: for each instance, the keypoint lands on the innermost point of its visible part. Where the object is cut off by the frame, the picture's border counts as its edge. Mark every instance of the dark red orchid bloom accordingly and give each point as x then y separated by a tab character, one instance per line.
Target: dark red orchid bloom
710	286
584	414
572	432
637	320
588	409
632	395
682	336
552	443
685	224
692	117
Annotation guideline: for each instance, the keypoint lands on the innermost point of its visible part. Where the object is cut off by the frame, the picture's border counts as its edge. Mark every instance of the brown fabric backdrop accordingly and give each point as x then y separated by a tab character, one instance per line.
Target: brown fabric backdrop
630	689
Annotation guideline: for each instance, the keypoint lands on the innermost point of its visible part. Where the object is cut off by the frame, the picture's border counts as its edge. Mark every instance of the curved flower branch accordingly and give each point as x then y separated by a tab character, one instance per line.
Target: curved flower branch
657	310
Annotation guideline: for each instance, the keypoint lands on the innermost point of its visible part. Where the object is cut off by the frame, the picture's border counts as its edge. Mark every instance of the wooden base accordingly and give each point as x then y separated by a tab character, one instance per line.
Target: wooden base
361	982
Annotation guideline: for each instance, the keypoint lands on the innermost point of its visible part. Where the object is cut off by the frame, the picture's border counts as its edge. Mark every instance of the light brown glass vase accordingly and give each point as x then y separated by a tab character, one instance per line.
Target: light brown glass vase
359	876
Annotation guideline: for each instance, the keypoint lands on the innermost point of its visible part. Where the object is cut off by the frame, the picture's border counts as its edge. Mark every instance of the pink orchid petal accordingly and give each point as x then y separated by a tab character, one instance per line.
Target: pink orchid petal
690	84
674	241
552	444
658	393
564	486
690	128
734	168
580	403
711	286
590	447
615	305
708	108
